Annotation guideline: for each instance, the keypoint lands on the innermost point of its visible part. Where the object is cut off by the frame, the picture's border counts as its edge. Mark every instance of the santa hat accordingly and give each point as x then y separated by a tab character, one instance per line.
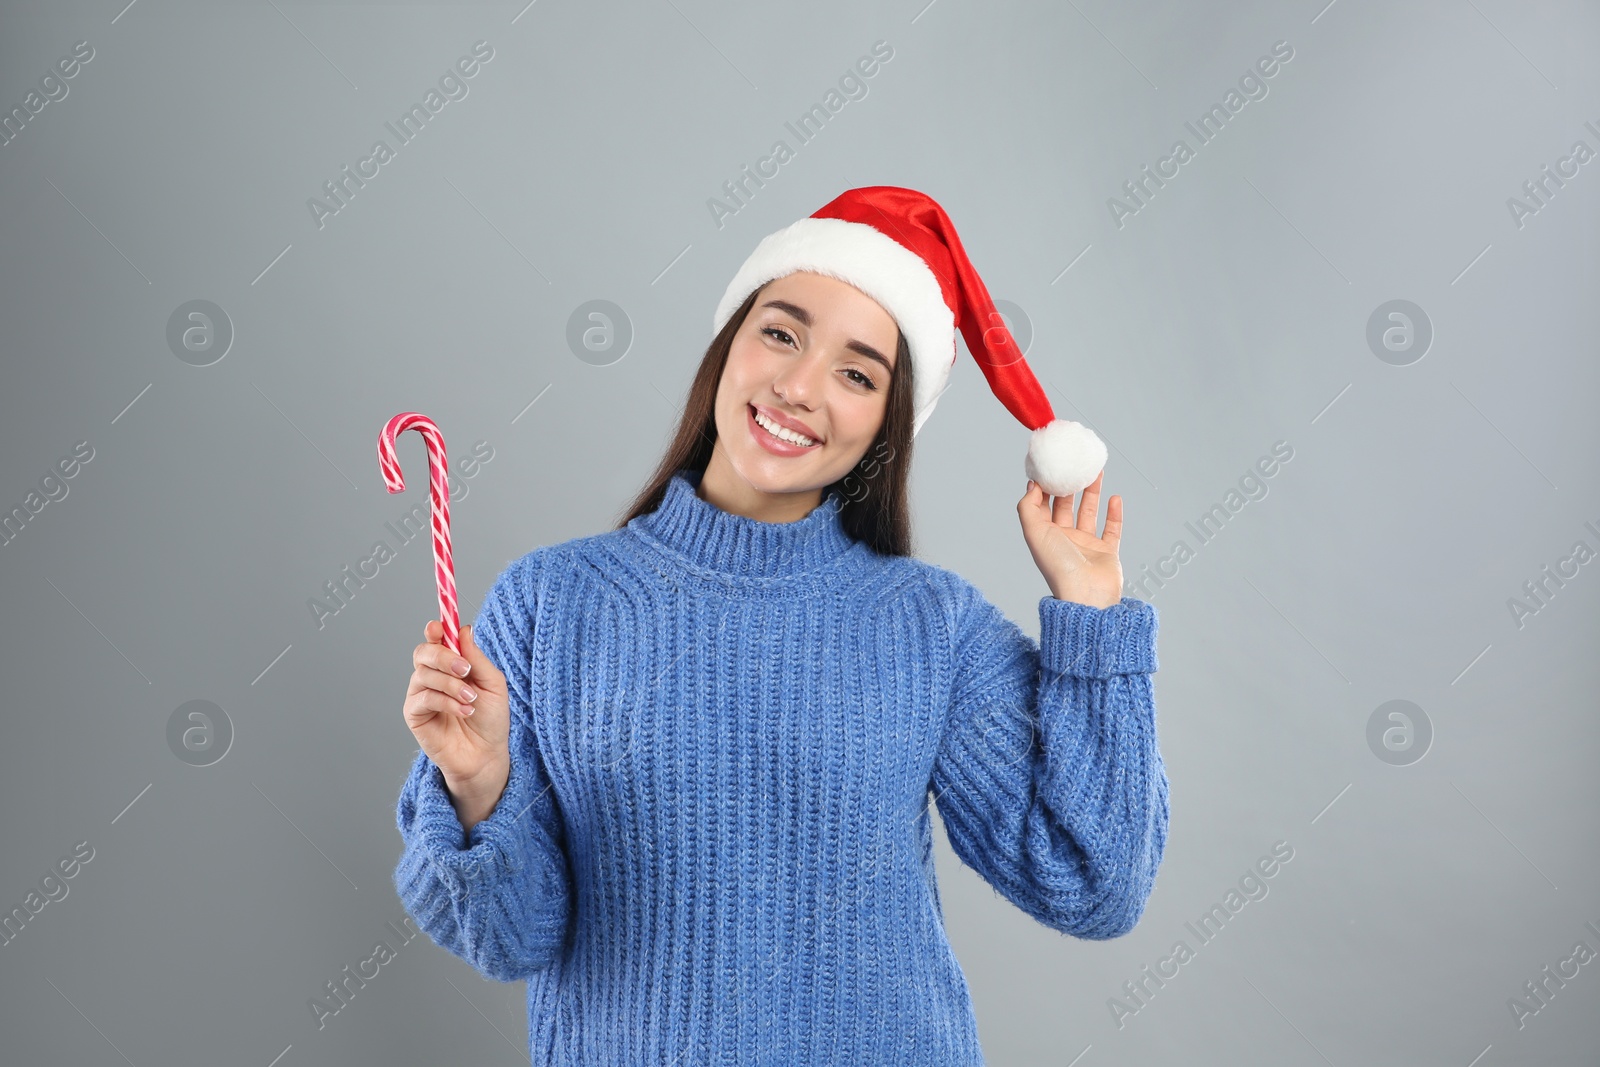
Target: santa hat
900	248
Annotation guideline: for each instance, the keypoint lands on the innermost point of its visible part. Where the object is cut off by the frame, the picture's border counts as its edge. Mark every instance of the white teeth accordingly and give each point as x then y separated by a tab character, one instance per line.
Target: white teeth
781	432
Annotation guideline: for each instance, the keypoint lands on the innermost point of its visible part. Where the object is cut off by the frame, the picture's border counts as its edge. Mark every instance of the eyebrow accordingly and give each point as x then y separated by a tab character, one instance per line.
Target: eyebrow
805	320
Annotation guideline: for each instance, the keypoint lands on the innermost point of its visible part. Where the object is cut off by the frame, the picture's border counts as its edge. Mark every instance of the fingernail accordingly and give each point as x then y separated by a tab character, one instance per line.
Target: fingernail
467	694
461	667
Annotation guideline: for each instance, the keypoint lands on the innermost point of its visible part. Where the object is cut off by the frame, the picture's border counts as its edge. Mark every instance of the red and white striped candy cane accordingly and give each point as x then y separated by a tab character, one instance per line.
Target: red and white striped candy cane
444	572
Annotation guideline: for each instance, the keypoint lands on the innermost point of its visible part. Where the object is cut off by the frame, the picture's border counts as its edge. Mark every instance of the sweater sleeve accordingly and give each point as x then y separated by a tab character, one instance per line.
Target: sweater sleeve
1048	777
498	896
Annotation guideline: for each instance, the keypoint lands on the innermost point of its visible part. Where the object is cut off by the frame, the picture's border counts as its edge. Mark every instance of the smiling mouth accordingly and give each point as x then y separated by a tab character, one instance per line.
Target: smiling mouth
760	424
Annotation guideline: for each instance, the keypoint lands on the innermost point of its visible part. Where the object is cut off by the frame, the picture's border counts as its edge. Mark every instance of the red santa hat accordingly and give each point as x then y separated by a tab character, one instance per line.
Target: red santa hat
900	248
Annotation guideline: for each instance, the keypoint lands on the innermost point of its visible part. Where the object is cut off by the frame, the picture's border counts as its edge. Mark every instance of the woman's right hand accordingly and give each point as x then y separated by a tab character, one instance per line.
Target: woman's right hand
462	722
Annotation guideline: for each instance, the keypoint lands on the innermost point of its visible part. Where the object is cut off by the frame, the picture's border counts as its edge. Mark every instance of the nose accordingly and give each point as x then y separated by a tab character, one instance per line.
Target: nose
798	384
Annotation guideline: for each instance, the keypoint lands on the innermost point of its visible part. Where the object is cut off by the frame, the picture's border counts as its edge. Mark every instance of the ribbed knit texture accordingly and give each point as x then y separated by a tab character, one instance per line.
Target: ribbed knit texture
715	846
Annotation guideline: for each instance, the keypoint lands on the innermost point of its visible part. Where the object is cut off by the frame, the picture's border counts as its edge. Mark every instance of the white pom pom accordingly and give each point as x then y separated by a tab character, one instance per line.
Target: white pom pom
1064	457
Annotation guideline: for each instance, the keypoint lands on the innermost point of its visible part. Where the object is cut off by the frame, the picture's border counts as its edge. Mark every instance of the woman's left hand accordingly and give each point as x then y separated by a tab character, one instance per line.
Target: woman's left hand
1077	565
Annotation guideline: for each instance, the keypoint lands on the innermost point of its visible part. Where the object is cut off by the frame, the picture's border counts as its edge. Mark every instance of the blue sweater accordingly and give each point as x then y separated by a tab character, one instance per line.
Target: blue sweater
715	846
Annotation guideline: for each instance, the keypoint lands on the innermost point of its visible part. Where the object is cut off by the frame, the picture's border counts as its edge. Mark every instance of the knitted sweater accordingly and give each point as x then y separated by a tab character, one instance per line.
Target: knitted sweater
715	845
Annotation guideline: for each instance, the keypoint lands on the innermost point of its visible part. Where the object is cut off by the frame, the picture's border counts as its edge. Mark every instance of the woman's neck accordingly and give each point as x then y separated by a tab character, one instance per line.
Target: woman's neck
716	541
722	487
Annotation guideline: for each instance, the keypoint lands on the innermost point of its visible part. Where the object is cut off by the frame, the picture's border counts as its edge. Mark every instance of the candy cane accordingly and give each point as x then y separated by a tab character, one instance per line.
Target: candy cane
439	489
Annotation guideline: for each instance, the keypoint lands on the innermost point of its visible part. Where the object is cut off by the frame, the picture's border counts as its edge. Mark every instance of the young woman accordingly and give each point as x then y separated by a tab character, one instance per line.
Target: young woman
680	779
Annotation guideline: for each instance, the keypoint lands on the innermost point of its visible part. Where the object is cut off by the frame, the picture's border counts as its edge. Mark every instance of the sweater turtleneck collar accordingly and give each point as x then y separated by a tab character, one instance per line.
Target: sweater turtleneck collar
735	545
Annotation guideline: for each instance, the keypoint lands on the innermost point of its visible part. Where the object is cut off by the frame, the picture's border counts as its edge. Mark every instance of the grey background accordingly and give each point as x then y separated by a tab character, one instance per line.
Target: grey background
1228	314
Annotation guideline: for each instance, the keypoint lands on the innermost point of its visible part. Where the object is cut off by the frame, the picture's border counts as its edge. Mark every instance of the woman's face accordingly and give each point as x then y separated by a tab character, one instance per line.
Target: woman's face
815	354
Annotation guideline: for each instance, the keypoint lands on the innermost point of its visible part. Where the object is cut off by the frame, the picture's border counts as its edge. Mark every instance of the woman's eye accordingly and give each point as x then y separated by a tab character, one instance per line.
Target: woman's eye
778	333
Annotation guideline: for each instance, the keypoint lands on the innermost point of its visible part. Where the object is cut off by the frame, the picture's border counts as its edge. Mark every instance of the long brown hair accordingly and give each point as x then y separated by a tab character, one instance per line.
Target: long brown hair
872	496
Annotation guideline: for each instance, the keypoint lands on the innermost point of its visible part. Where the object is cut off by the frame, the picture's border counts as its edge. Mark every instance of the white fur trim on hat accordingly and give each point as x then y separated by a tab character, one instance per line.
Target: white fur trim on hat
1065	457
878	265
